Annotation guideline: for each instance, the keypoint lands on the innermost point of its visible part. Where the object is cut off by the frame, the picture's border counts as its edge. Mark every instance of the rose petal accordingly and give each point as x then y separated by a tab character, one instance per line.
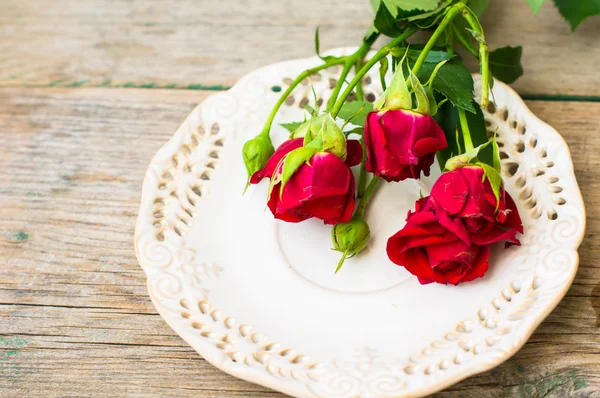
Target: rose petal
497	234
450	191
354	152
480	266
274	160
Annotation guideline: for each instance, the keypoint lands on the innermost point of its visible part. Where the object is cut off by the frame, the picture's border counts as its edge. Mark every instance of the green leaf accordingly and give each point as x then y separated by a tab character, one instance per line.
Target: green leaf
477	127
434	56
385	22
357	110
424	5
293	161
417	15
453	80
447	118
391	7
292	126
479	6
372	31
356	130
505	63
536	5
575	11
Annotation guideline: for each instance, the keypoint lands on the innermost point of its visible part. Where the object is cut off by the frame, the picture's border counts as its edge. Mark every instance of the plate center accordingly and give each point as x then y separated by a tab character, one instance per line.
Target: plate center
306	246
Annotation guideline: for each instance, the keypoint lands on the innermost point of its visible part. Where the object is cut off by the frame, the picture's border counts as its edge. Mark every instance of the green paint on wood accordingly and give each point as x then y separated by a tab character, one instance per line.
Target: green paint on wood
30	193
172	85
558	384
66	179
561	97
55	82
147	85
216	87
13	342
21	236
79	83
149	23
105	83
579	383
129	85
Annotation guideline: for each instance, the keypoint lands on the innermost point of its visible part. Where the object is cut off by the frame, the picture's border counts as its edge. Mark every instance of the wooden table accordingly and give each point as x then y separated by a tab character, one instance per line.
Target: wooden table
90	89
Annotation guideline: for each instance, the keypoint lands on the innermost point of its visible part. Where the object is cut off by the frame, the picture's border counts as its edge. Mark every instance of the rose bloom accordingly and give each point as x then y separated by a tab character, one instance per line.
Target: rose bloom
401	144
446	239
322	188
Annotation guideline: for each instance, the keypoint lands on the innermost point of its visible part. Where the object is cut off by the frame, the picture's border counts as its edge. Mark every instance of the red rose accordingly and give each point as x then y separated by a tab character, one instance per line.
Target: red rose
446	238
323	187
401	143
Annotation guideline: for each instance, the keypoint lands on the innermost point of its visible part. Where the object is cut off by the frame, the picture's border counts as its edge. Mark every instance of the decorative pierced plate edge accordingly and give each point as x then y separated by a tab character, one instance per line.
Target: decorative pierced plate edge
216	356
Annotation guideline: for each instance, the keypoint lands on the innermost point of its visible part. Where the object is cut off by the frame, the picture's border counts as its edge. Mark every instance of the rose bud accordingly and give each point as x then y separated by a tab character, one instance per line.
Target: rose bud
350	238
353	157
313	180
401	139
401	144
446	239
256	153
321	187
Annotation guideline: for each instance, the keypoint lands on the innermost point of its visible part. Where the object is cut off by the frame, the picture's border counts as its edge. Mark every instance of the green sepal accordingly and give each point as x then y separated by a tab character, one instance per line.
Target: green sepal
464	159
494	178
291	126
312	126
293	161
486	156
420	95
350	238
397	94
334	140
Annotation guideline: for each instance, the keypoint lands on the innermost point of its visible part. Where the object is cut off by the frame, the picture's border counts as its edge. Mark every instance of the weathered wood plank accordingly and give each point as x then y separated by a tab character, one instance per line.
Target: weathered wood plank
75	319
195	44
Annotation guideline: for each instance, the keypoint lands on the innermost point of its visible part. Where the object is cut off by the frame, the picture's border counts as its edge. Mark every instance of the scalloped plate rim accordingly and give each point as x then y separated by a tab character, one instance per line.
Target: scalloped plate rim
216	356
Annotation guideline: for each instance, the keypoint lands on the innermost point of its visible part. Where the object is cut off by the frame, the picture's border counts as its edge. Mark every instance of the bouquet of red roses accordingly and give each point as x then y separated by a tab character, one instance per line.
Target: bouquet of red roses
427	111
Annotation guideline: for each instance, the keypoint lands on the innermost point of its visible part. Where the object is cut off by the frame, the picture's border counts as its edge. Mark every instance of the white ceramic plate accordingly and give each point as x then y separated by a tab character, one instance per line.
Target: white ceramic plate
258	298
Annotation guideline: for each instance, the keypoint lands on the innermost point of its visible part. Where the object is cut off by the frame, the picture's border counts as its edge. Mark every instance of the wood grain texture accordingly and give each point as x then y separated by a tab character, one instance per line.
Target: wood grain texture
202	43
75	318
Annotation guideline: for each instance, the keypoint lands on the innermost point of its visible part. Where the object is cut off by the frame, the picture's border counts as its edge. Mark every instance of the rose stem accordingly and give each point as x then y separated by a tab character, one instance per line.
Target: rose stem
450	15
362	178
464	125
350	61
382	52
346	60
483	53
360	210
267	128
